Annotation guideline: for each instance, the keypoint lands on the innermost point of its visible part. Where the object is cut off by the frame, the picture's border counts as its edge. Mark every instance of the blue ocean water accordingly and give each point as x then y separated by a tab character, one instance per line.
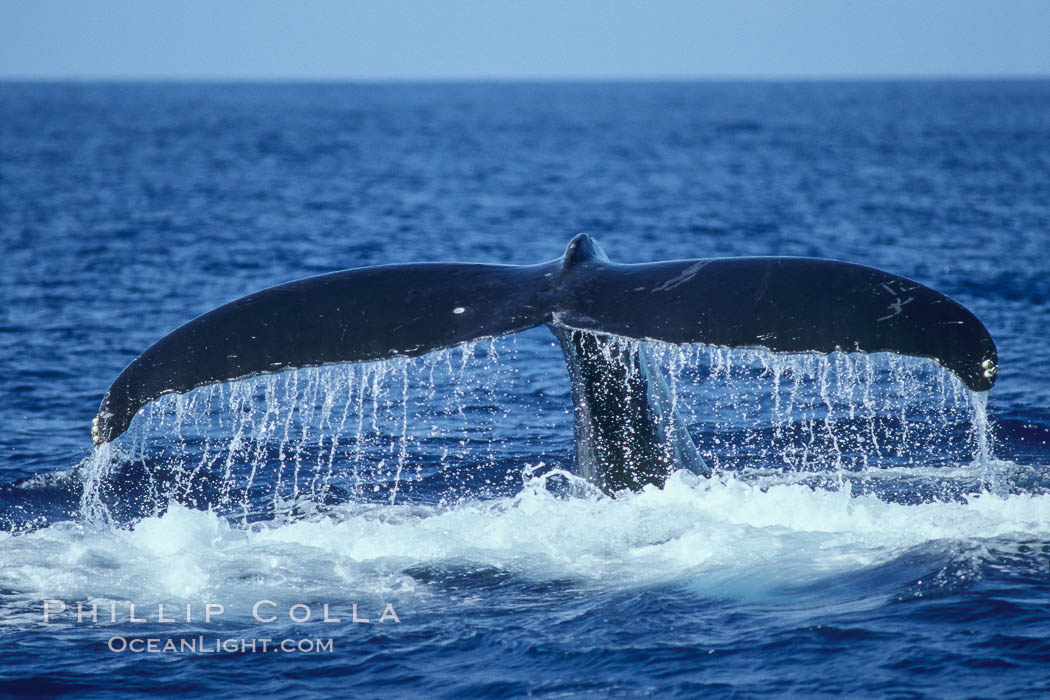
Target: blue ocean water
872	529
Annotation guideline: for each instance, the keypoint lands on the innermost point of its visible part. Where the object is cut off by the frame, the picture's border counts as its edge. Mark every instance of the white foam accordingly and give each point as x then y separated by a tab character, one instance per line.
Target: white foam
720	537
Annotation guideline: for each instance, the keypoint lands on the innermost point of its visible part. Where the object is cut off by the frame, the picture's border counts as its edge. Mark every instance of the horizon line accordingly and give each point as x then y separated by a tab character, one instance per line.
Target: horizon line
482	79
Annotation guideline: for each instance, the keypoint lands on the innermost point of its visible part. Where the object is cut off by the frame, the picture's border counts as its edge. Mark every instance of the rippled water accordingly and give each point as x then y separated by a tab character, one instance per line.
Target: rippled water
872	528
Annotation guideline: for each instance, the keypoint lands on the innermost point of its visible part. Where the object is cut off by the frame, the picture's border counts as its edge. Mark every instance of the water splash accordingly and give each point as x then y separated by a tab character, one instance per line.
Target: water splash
458	424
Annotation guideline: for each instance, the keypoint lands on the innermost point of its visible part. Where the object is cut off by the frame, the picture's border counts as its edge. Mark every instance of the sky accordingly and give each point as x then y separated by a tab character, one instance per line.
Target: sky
523	39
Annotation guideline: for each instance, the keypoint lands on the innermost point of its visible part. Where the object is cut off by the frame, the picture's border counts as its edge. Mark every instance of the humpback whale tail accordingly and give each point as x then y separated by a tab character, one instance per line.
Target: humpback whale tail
781	304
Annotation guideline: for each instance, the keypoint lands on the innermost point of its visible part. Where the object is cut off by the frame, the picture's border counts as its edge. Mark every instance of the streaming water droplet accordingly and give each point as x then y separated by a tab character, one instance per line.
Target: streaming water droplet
460	420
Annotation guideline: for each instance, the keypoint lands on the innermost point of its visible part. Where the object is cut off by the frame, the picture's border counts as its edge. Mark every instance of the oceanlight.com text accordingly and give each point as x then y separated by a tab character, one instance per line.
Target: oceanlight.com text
216	645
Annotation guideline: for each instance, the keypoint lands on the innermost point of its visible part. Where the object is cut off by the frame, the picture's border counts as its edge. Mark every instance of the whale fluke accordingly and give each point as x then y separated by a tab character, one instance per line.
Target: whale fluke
781	304
789	305
350	316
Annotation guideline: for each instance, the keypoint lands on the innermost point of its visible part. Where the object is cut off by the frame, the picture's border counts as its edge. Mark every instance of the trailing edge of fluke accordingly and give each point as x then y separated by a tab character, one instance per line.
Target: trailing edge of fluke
779	303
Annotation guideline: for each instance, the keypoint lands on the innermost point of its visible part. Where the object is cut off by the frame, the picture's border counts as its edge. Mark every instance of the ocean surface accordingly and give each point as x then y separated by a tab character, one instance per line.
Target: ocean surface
872	528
